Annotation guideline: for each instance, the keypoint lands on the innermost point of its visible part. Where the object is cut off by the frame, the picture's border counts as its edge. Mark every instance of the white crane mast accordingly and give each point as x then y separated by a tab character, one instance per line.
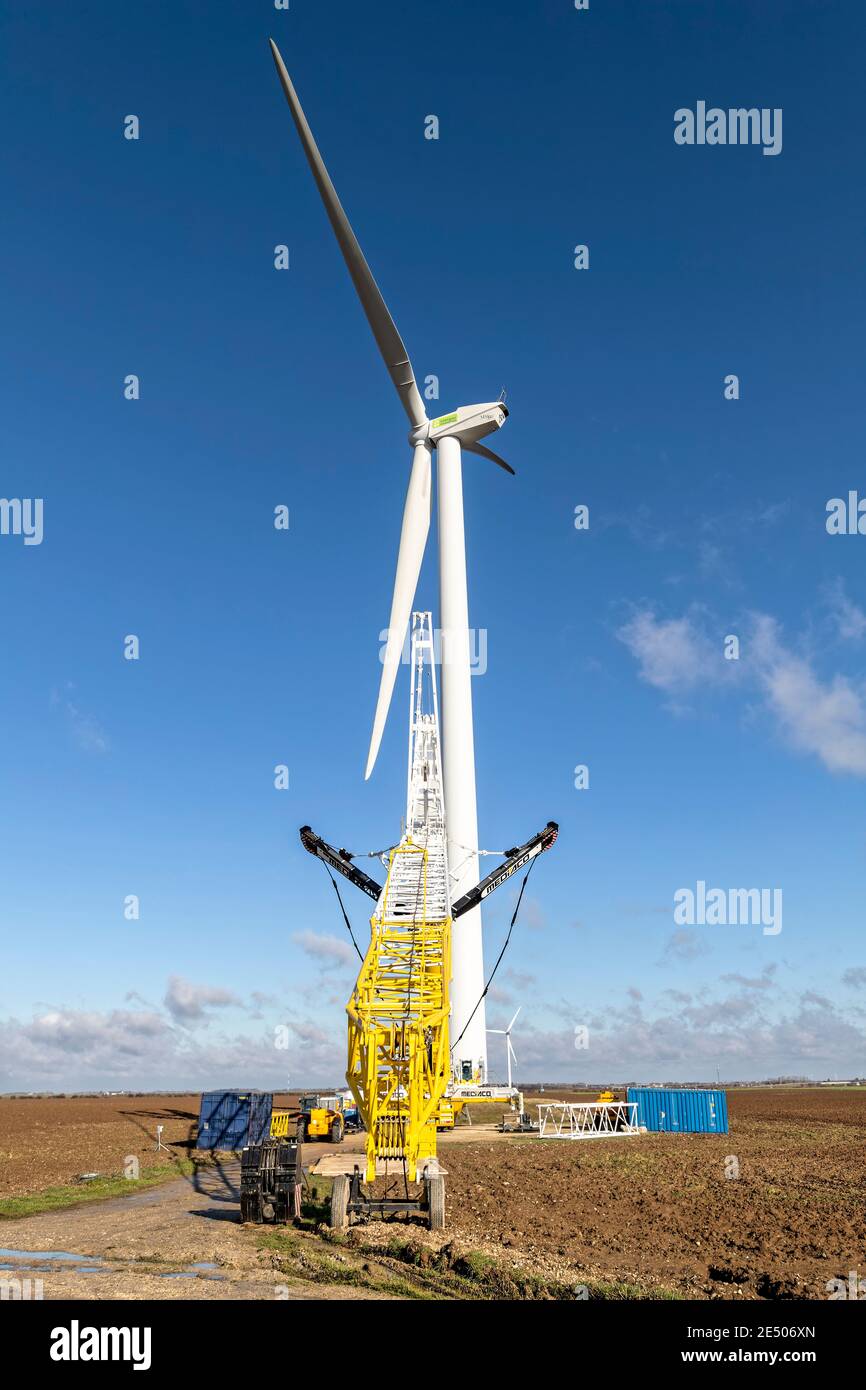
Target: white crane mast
425	801
425	805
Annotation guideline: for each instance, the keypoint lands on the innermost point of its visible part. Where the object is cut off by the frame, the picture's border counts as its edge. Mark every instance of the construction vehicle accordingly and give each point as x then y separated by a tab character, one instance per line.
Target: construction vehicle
325	1117
400	1068
617	1118
519	1122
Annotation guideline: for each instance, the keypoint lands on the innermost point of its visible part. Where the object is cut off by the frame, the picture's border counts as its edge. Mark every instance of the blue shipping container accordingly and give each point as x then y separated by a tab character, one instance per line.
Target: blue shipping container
680	1112
231	1119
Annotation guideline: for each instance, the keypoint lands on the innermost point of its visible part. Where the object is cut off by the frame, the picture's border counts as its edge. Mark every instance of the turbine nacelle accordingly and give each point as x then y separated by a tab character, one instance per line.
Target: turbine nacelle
468	423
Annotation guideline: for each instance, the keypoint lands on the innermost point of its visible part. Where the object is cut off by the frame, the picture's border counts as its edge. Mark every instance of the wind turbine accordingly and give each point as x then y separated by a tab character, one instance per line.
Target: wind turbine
509	1050
448	435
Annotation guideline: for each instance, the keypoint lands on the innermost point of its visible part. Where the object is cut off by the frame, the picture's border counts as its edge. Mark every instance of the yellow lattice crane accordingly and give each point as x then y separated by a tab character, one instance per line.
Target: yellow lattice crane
399	1061
400	1068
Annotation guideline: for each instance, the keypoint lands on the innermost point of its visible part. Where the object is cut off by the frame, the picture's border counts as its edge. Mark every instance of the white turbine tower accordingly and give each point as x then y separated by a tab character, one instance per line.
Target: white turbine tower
461	429
510	1054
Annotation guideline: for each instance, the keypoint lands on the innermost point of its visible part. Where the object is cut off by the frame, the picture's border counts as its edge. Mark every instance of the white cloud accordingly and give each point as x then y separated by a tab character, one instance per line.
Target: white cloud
742	1033
684	944
673	654
822	717
825	718
85	729
749	1032
762	981
849	618
188	1003
78	1031
520	979
333	950
74	1050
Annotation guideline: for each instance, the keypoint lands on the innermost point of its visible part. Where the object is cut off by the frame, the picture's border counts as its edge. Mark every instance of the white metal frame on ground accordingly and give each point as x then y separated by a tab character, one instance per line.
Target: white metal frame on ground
587	1119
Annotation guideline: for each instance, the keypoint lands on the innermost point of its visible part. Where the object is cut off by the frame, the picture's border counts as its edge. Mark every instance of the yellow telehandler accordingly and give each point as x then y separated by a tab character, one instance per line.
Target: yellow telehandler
324	1117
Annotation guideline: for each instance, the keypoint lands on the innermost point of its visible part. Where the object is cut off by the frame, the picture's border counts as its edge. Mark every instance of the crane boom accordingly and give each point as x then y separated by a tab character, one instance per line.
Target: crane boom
516	858
342	861
339	859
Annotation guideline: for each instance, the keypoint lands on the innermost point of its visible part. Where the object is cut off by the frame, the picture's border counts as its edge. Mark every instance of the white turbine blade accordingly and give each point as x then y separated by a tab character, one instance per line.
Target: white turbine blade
511	1024
488	454
413	538
511	1050
384	329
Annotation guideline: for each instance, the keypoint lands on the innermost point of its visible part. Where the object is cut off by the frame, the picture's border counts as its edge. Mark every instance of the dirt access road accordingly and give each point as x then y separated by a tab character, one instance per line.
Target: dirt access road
180	1240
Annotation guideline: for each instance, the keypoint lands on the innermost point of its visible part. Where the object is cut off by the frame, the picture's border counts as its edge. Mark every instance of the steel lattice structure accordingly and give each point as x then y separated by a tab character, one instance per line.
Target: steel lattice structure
587	1119
399	1065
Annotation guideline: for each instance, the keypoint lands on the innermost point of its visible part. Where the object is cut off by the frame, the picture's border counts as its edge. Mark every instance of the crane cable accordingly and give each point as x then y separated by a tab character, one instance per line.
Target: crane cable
532	864
343	910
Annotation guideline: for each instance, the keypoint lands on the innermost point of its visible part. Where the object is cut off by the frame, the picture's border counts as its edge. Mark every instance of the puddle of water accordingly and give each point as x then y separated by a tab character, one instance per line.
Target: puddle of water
40	1255
29	1260
79	1267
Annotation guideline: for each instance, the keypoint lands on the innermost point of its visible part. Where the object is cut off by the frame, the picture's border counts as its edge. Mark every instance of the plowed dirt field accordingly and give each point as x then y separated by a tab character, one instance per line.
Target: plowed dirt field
774	1209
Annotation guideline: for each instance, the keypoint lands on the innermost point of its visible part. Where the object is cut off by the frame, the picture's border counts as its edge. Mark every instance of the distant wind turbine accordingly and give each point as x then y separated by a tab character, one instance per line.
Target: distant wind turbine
509	1050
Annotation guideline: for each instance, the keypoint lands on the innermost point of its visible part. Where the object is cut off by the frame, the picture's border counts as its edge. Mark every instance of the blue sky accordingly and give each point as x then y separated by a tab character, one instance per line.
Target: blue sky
262	387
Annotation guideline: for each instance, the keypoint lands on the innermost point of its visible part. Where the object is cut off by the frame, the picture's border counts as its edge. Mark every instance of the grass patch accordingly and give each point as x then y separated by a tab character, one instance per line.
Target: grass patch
307	1259
618	1290
316	1201
74	1194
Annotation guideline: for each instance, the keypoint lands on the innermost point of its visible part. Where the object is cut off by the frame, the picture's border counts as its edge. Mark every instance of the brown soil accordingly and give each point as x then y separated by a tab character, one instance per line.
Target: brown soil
654	1210
659	1209
48	1142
